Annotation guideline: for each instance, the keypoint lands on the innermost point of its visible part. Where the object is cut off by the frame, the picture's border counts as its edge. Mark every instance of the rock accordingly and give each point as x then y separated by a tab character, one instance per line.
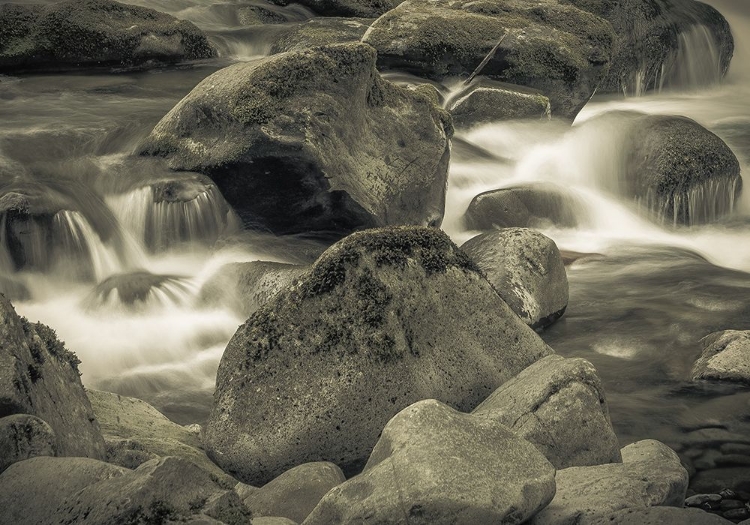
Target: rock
659	516
135	432
86	33
136	289
485	101
267	520
527	206
295	493
704	501
321	32
39	376
553	47
717	479
373	327
526	270
435	465
22	437
312	141
245	287
650	475
558	405
725	357
362	8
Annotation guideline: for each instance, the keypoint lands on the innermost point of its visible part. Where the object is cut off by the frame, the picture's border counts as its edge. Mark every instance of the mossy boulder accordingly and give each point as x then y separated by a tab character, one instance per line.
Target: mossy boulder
22	437
363	8
88	33
485	101
313	140
321	32
383	318
558	49
39	376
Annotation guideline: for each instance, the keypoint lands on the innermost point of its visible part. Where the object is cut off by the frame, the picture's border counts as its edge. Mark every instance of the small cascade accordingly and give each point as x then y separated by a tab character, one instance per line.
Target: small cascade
696	63
701	204
140	290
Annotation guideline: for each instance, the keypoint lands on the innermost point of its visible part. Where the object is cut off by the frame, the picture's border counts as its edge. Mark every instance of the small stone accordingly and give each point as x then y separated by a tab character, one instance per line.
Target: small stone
737	514
728	494
730	504
703	501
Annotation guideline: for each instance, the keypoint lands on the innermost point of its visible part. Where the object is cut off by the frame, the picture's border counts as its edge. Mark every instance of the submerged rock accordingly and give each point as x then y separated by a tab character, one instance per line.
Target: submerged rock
383	319
485	101
312	141
725	357
138	288
85	33
433	465
22	437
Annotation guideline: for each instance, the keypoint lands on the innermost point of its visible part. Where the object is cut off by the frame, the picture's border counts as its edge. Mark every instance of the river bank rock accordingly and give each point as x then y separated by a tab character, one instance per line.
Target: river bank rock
558	405
650	475
485	101
553	47
527	271
725	357
435	465
384	318
321	32
22	437
88	33
39	376
313	140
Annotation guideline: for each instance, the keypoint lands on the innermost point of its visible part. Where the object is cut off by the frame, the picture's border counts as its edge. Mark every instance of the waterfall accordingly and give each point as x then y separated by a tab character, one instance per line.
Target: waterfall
697	62
703	203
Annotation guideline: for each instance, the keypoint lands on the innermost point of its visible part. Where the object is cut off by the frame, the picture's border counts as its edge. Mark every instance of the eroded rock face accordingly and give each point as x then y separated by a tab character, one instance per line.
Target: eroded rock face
438	466
312	140
558	405
86	33
383	319
725	357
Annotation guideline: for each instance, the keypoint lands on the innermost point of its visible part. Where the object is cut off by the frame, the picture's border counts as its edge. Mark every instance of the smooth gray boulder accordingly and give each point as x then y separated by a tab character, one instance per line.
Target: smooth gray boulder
22	437
39	376
650	475
725	357
434	465
313	140
383	319
485	101
526	269
558	405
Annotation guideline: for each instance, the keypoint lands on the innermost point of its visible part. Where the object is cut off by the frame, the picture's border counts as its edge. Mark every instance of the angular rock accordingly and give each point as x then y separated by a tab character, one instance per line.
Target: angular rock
22	437
313	140
321	32
553	47
295	493
650	475
86	33
485	101
39	376
435	465
526	269
725	357
383	319
558	405
659	516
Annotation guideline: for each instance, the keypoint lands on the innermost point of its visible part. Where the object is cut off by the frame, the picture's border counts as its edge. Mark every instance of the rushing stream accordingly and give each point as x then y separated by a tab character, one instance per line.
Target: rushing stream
638	306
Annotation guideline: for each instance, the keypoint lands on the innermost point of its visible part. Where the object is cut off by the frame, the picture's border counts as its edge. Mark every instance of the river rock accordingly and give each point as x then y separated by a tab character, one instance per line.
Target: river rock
86	33
384	318
650	475
295	493
659	516
558	405
312	140
485	101
553	47
245	287
434	465
135	289
725	357
321	32
526	269
22	437
526	206
39	376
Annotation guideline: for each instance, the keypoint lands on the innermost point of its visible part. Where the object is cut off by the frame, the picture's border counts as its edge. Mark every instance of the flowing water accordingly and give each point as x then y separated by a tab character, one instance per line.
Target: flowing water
117	248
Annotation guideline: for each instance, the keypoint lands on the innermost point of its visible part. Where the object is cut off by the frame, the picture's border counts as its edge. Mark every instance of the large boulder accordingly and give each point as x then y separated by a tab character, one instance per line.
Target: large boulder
22	437
39	376
433	465
312	140
556	48
558	405
383	319
725	357
86	33
484	101
321	32
526	269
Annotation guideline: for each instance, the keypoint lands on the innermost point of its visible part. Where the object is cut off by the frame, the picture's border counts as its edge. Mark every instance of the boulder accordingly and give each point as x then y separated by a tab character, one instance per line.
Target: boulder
526	269
659	516
136	289
384	318
295	493
650	475
484	101
87	33
22	437
526	206
550	46
725	357
313	140
245	287
362	8
433	465
321	32
558	405
39	376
